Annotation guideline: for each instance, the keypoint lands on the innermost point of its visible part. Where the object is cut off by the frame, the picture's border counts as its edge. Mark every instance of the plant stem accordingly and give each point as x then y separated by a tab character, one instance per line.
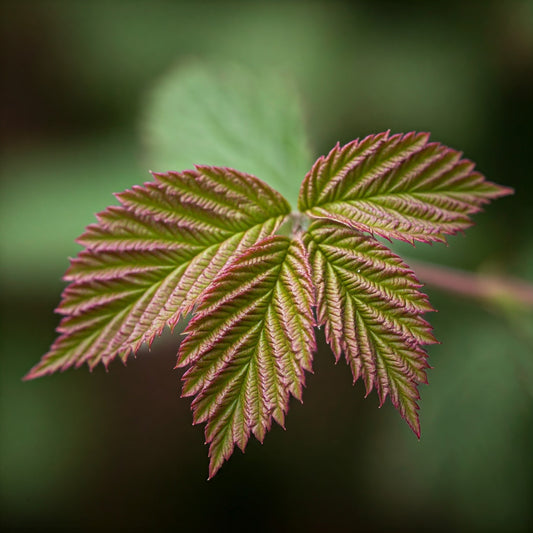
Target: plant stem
480	286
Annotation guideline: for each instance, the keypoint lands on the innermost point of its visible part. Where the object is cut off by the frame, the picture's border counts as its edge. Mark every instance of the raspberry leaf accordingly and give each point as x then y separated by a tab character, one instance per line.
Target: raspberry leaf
249	344
148	260
369	303
401	187
223	244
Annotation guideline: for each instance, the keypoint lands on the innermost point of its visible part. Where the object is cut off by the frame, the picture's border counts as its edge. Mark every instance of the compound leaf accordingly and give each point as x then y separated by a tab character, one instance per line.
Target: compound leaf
148	260
369	302
249	344
401	187
223	243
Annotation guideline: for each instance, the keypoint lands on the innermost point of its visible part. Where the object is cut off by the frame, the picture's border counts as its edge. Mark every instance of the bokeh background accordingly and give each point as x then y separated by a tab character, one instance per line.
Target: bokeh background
117	451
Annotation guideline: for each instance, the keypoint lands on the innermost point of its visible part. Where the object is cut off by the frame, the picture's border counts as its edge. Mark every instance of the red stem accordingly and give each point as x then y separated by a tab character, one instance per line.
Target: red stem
480	286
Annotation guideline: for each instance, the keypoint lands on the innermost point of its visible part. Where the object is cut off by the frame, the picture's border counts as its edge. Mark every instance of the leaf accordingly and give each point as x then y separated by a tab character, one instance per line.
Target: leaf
228	116
249	345
369	302
225	244
401	187
148	260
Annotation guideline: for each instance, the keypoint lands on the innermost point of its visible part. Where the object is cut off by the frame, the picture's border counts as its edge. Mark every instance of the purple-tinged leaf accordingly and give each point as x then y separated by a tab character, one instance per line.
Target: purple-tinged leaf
369	302
249	344
148	260
401	187
224	243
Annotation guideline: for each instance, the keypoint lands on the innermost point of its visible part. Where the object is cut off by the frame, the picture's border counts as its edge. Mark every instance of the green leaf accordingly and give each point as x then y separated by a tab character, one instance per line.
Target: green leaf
401	187
369	302
229	117
148	260
249	345
205	239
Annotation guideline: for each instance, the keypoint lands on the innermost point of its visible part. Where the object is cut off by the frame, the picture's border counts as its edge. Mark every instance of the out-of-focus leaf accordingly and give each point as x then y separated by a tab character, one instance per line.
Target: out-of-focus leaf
228	117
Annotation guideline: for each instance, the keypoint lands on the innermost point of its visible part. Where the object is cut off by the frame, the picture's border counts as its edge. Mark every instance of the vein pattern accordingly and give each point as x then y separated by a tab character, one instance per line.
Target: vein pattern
369	303
401	187
249	345
147	261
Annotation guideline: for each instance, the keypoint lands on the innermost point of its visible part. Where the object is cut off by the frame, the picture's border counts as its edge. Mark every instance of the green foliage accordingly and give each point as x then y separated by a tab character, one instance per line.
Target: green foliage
369	302
400	187
223	245
249	344
147	261
231	118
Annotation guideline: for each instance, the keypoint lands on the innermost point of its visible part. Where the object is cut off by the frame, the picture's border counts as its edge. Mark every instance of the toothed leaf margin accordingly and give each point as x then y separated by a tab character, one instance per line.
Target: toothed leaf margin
214	241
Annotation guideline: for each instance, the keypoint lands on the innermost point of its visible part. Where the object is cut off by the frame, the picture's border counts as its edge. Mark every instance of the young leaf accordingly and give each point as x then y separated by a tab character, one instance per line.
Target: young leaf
148	260
205	239
369	302
249	345
401	187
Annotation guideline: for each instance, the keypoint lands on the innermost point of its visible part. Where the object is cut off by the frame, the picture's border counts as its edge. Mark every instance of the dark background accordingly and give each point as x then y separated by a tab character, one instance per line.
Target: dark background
116	451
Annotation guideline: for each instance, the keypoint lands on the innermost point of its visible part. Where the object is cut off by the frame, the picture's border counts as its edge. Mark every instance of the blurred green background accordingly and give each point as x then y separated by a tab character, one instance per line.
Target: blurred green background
116	451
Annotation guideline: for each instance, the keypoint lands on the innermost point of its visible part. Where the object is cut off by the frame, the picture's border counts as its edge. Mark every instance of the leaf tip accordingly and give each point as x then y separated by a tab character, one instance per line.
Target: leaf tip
40	370
413	421
34	373
214	467
156	175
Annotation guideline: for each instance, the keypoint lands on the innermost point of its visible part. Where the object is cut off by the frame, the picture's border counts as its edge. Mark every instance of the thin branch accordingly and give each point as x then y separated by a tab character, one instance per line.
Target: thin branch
480	286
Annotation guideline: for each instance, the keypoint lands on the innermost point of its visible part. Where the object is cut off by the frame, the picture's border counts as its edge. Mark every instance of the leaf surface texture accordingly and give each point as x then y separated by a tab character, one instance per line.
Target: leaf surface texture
250	344
148	260
369	303
399	186
225	246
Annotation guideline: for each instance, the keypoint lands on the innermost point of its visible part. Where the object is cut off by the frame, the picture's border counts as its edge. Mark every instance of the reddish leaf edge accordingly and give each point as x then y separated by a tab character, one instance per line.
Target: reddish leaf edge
124	353
187	363
380	139
35	372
